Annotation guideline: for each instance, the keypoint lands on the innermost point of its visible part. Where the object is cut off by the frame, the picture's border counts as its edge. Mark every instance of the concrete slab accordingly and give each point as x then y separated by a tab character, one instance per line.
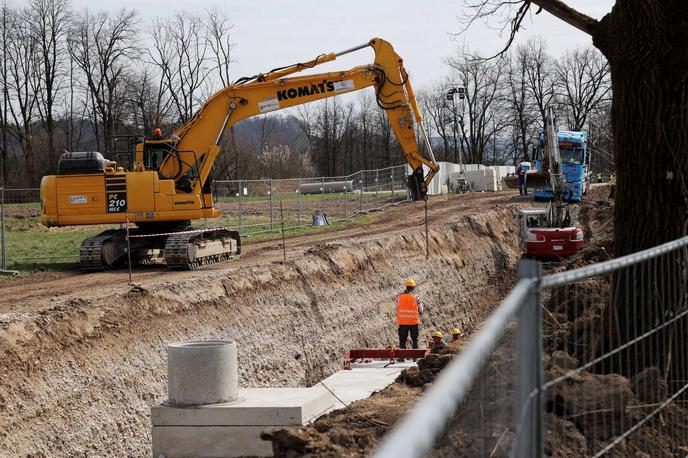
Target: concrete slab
209	441
233	429
361	381
255	407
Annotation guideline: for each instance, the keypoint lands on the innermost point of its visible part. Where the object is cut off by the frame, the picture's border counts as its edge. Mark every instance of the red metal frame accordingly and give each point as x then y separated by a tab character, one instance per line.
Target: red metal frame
389	353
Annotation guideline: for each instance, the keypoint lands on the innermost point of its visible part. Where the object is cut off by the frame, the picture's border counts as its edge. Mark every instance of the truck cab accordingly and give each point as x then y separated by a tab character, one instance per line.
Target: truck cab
575	163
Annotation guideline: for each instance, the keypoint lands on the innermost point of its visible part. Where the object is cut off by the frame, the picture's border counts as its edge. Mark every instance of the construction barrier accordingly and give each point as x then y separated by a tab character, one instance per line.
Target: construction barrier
613	379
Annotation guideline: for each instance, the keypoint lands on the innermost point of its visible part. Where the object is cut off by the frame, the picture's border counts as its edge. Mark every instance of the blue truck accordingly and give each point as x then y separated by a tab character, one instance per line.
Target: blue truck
575	160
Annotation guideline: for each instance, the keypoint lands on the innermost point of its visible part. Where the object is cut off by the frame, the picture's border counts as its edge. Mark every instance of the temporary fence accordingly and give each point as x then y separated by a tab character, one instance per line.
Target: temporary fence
253	207
3	241
587	362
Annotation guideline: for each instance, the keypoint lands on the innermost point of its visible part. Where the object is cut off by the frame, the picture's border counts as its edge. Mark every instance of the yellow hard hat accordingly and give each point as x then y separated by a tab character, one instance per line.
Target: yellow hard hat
410	283
456	331
438	334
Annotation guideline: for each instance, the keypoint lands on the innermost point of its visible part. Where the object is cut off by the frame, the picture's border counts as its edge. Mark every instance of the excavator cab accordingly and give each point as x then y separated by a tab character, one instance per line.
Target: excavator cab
153	153
539	239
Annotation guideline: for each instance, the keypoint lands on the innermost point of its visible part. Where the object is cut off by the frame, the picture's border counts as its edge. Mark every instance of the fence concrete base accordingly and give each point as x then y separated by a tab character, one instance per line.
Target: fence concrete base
233	429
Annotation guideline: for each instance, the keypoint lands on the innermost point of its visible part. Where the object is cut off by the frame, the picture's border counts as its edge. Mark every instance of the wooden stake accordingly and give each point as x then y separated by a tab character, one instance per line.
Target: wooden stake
427	237
128	249
284	247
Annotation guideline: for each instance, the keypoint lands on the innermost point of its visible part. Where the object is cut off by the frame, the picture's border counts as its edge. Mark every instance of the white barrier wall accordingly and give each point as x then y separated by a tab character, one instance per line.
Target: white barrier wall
478	177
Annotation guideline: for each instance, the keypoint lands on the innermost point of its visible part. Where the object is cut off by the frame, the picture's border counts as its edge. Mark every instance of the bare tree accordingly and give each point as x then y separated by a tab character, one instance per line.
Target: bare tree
151	103
323	128
384	137
349	136
23	87
582	84
102	47
49	22
218	29
483	80
439	117
540	75
365	115
7	21
522	115
180	52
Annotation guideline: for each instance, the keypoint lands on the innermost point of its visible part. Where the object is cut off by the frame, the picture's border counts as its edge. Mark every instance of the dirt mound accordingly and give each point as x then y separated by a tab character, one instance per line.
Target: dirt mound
589	409
353	431
429	367
84	357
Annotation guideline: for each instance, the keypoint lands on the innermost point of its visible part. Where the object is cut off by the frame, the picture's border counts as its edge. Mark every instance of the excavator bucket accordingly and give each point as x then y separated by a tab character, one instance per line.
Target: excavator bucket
416	184
537	179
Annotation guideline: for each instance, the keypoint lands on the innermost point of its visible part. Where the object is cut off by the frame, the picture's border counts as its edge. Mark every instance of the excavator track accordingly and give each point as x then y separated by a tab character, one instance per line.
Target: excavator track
194	249
96	252
187	249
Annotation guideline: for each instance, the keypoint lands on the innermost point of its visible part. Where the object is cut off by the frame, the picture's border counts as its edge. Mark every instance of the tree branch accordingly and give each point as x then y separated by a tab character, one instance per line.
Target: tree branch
573	17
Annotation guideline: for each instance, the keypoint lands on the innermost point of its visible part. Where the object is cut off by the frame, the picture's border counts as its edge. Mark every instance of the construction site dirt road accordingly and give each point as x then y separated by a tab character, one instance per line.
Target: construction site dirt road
84	354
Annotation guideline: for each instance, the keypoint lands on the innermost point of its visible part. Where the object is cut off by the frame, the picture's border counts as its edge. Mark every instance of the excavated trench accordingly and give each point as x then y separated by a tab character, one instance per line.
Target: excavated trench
80	377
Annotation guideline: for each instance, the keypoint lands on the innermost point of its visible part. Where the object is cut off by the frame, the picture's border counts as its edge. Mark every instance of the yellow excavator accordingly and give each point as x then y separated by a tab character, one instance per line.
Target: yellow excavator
167	184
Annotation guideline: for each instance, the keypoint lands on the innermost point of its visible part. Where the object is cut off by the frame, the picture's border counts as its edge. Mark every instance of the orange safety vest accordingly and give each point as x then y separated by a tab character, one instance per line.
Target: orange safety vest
407	309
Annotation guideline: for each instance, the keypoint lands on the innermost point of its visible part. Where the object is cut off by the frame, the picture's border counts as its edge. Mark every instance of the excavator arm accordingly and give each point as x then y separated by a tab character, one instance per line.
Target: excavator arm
558	212
195	146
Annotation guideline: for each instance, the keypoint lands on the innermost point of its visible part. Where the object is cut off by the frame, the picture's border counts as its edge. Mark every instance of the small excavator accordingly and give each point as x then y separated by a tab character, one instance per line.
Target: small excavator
549	232
167	184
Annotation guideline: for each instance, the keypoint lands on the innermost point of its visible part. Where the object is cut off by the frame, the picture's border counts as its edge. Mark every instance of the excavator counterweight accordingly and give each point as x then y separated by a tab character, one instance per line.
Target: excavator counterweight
167	184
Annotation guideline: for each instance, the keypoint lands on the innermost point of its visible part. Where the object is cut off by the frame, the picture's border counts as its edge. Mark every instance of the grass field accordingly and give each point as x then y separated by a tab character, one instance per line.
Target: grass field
309	197
32	246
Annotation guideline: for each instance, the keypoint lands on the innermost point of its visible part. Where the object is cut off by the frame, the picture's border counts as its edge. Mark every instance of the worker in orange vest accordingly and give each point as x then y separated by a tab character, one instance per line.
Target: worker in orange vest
409	310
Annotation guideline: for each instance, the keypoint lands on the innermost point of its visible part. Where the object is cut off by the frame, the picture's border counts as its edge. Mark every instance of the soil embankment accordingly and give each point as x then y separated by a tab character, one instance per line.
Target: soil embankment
484	424
84	357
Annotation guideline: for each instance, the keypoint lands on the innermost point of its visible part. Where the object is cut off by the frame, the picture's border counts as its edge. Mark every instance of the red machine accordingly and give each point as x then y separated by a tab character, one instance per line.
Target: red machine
548	232
366	355
539	240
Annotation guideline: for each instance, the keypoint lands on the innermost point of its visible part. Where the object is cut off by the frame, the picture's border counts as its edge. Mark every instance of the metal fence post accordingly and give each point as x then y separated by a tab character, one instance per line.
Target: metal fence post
360	195
3	259
377	185
346	198
322	195
529	441
298	202
392	185
270	193
2	228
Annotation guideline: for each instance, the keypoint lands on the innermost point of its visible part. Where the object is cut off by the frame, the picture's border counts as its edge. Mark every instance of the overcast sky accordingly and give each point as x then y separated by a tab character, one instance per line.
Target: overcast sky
271	33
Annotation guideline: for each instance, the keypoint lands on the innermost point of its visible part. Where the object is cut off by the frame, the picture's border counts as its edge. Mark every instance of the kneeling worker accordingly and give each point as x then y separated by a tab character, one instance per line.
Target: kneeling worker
455	334
437	342
409	310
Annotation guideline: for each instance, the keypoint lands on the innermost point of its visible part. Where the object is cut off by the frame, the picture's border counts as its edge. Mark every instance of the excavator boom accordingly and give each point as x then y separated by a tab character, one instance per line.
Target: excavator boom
556	176
199	139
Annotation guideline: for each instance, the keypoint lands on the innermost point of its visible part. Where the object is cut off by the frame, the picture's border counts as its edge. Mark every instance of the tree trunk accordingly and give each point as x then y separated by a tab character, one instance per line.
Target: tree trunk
649	119
647	48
